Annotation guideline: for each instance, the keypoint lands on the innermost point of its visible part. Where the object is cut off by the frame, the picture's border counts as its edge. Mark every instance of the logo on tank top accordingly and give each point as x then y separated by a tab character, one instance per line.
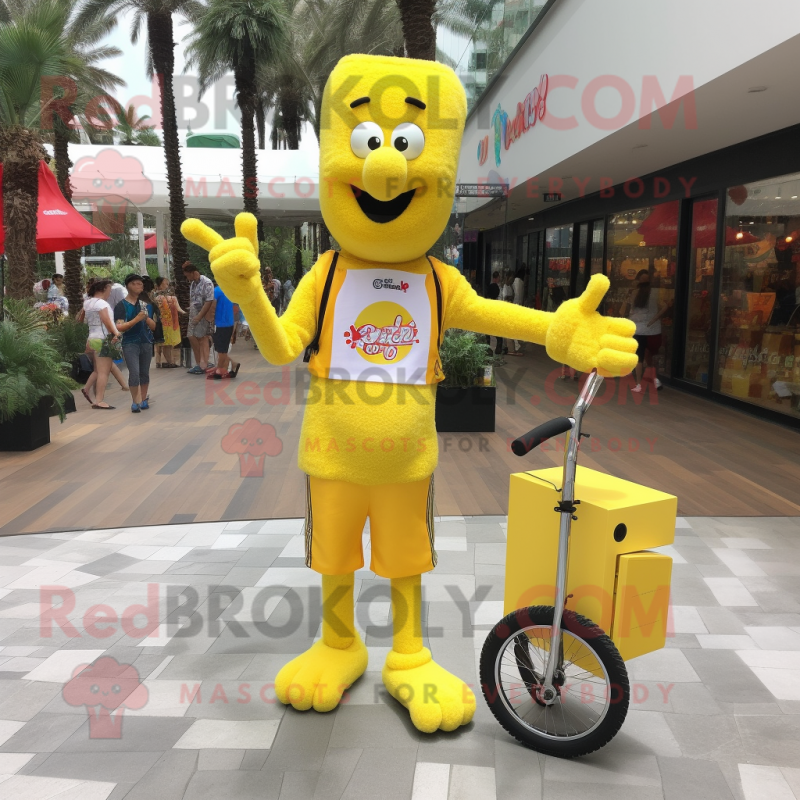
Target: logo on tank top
383	333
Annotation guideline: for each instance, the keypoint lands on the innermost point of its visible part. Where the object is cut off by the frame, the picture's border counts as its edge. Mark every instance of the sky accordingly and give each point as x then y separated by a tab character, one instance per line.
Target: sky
216	112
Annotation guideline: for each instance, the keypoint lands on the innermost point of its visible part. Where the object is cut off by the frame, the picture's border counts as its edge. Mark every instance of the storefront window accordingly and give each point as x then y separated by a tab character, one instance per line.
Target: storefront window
702	251
759	337
645	241
533	282
557	266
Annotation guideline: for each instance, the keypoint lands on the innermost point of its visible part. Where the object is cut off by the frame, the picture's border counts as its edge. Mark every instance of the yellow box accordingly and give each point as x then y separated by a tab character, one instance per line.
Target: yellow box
615	518
641	603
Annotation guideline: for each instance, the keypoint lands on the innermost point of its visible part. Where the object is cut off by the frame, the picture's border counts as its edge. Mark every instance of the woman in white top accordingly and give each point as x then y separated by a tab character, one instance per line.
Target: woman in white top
508	294
103	336
645	310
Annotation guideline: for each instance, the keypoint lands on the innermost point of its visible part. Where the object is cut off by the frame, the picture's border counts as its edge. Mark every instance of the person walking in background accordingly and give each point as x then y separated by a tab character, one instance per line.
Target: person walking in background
278	294
135	319
56	288
166	305
507	296
223	331
288	291
554	296
201	298
493	293
645	310
518	298
102	341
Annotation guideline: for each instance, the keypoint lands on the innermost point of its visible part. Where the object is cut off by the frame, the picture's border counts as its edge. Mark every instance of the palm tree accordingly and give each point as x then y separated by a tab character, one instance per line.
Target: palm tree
418	30
28	53
237	36
156	17
80	81
129	125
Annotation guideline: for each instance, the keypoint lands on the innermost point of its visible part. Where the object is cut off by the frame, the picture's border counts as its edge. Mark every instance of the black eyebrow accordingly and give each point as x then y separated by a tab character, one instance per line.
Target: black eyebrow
412	101
359	102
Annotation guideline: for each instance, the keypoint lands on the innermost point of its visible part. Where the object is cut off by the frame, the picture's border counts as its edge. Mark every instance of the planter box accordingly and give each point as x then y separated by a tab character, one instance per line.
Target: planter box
28	431
69	405
465	410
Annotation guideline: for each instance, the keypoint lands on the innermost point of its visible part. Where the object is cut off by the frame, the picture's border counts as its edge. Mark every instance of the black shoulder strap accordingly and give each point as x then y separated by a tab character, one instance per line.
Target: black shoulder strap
438	301
313	348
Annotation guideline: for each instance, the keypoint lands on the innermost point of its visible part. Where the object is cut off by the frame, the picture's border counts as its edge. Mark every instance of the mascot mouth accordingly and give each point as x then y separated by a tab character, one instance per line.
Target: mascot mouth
382	211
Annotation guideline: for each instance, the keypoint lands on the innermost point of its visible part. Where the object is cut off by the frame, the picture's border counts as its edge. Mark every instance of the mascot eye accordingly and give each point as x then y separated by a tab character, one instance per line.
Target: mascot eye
95	688
119	182
366	137
244	441
409	139
259	441
116	688
97	182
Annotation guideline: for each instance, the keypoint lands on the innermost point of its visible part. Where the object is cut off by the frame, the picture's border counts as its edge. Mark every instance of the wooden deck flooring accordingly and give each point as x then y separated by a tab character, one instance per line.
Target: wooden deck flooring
108	469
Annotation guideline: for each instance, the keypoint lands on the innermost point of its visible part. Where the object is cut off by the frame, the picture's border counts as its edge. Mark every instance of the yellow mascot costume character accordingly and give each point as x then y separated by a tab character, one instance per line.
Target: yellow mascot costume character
372	317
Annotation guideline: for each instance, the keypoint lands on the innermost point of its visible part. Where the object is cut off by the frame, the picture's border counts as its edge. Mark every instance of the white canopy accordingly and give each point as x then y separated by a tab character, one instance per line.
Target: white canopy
134	178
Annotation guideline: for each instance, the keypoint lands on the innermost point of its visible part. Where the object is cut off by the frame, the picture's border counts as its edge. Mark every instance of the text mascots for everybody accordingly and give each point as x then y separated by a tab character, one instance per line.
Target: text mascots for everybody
389	145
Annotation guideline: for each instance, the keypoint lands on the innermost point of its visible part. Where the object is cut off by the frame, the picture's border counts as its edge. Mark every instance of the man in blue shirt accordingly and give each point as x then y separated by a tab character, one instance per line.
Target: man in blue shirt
223	330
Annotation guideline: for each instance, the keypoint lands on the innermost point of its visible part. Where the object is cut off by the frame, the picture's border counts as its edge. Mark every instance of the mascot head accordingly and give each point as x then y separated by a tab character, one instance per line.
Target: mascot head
390	134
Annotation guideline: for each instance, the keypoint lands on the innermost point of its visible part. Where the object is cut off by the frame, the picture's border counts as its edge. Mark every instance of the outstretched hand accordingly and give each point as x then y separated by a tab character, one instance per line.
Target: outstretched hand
583	339
234	262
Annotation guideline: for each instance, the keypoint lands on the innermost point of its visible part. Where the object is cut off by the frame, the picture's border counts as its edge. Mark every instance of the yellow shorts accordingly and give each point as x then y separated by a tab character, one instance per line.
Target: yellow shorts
400	524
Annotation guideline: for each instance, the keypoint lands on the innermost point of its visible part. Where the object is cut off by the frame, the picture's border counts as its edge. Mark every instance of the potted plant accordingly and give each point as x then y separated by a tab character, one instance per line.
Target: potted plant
32	378
68	337
465	399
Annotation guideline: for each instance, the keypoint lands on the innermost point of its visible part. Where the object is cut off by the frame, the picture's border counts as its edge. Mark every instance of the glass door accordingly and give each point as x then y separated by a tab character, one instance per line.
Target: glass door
582	257
700	277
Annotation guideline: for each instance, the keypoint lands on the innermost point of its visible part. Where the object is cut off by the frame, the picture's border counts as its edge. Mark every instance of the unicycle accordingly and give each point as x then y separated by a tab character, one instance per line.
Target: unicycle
552	678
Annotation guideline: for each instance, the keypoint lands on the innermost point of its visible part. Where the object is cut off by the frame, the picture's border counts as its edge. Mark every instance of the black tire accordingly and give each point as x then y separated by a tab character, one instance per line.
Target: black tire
577	628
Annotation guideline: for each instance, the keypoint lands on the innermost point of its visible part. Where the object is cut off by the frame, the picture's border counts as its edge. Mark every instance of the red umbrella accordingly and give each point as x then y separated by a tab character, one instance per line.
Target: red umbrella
58	225
151	244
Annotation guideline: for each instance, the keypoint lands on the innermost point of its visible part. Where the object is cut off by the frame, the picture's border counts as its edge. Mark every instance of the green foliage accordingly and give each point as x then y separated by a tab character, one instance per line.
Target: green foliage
68	337
147	138
236	36
464	356
30	369
25	317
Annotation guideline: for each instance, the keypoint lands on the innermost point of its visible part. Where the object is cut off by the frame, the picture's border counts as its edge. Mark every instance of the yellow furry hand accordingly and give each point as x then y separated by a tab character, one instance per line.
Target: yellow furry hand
583	339
234	262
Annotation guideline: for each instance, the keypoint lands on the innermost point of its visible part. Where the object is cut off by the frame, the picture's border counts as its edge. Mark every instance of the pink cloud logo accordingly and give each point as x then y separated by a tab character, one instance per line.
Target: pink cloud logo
252	441
112	181
106	688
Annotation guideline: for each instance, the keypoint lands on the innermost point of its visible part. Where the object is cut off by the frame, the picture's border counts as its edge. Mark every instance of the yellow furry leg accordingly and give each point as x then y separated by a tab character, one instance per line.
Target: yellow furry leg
436	699
318	678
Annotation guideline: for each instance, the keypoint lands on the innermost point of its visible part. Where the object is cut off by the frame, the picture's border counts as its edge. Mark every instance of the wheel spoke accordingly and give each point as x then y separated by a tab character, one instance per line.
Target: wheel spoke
583	699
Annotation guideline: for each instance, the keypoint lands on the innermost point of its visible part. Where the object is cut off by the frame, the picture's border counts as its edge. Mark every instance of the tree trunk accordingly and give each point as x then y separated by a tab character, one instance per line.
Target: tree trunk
324	238
159	32
315	243
72	258
418	31
21	152
298	255
261	124
245	96
290	114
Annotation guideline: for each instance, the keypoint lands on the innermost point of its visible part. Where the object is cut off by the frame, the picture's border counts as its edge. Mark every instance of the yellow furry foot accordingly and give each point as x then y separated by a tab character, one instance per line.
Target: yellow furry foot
436	699
319	677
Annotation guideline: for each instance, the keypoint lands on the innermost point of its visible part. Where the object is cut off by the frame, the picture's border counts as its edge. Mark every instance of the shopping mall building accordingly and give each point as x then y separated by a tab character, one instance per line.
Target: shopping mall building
624	136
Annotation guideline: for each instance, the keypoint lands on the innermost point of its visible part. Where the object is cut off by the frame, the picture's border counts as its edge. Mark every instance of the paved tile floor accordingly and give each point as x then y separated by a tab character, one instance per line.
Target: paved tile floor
715	715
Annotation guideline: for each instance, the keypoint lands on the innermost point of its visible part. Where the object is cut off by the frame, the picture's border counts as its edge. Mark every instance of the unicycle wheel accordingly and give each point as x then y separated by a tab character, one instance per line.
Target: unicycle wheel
592	690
